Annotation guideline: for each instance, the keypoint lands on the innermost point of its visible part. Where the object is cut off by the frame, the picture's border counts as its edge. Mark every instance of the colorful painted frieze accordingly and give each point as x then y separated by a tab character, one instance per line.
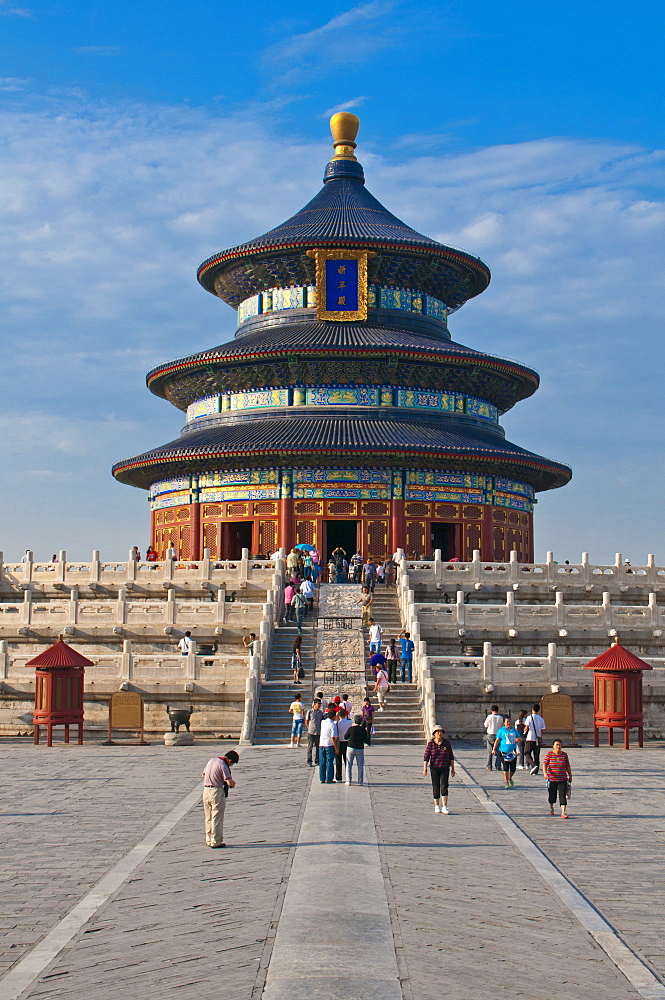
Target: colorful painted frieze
360	476
305	296
248	477
424	477
259	398
203	408
170	486
170	500
343	396
238	493
340	493
511	486
515	503
446	496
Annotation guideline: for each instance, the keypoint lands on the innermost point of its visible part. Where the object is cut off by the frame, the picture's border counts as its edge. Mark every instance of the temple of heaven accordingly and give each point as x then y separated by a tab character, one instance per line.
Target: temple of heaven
342	413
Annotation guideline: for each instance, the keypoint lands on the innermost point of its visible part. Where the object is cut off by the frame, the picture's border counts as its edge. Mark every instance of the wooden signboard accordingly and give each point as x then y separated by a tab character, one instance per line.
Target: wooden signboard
126	712
558	712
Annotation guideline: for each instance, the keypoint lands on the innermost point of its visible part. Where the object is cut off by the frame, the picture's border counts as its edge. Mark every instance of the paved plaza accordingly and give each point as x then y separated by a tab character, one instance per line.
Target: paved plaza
327	891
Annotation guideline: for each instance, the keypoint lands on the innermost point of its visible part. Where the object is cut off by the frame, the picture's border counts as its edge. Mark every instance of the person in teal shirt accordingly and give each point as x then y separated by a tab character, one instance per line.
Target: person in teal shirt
506	744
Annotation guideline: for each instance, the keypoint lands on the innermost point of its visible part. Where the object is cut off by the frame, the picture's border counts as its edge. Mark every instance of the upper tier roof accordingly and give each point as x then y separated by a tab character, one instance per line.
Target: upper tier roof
345	213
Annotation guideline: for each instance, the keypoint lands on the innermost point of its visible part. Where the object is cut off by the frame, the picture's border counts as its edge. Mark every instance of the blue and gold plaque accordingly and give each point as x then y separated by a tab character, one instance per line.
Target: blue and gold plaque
341	284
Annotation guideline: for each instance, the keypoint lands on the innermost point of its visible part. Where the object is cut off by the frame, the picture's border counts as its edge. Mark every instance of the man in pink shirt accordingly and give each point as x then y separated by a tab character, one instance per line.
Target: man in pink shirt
289	593
216	783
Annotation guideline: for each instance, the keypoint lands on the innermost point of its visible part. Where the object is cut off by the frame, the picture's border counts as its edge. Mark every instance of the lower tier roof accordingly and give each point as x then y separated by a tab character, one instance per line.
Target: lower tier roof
306	439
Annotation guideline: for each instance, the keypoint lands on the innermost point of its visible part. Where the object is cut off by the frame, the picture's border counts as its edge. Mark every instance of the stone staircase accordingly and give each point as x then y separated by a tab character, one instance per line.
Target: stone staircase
273	722
401	721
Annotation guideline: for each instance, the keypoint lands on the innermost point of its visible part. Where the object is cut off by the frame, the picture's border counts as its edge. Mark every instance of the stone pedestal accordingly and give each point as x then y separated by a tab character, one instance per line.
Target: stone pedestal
178	739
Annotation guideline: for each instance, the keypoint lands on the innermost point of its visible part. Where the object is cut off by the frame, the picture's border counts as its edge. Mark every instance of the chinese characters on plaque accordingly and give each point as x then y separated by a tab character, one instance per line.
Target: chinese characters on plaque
341	283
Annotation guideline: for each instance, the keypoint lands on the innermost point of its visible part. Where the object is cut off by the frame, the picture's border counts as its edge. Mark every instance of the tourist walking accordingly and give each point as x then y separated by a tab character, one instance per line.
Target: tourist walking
392	656
556	769
369	571
357	738
520	726
375	635
381	687
296	660
390	568
357	567
299	606
535	726
441	759
217	780
289	593
367	715
506	745
308	591
407	647
343	726
328	746
365	603
187	644
376	662
346	704
313	720
297	710
492	725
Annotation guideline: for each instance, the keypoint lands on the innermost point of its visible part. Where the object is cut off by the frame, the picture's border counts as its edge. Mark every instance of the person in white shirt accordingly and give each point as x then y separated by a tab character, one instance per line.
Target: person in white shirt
187	644
346	704
492	725
534	727
343	726
328	748
375	633
308	590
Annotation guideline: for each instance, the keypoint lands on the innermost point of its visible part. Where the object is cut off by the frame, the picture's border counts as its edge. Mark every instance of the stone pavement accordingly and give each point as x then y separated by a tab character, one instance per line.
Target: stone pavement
468	913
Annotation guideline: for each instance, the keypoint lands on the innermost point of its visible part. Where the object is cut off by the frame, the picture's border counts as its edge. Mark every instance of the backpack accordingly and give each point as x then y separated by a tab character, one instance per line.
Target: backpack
301	673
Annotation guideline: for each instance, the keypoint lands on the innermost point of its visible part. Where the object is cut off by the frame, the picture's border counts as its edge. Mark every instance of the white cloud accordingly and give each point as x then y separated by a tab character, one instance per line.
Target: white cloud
9	9
355	102
13	84
107	213
347	38
99	50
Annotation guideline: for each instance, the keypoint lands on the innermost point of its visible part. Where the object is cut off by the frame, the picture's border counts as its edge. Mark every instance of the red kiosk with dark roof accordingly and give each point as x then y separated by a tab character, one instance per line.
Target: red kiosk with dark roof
617	694
59	677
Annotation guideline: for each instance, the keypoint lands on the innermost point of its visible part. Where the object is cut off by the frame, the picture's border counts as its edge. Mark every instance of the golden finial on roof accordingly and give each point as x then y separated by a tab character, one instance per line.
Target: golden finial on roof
615	640
344	127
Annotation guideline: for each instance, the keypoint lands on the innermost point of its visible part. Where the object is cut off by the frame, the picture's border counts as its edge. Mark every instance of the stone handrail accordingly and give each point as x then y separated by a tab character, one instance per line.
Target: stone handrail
168	610
96	574
511	616
552	669
479	573
422	674
273	610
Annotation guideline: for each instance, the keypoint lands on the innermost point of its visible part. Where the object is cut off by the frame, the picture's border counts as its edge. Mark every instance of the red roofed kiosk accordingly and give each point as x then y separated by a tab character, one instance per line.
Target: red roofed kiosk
59	678
617	693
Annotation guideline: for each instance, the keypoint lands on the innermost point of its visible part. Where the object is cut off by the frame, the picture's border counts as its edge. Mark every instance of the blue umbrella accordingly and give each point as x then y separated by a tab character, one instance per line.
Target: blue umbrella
304	545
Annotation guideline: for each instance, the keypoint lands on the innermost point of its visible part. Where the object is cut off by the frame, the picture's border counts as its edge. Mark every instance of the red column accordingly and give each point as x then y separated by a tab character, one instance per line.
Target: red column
397	526
195	541
285	526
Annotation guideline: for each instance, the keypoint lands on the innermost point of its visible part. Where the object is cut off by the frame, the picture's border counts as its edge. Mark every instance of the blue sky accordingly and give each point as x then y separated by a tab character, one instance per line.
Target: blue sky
137	139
